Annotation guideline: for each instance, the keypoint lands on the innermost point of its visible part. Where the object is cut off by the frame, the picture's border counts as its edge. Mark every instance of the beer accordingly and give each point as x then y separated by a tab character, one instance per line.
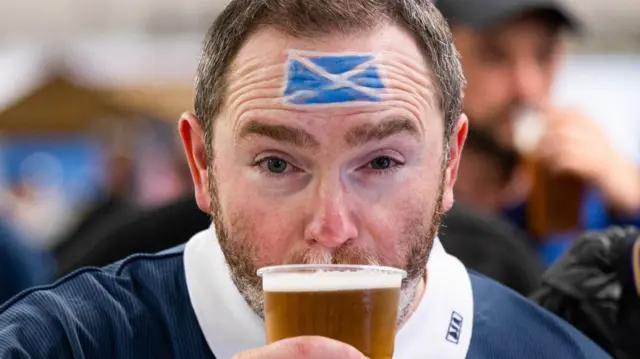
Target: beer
555	201
355	305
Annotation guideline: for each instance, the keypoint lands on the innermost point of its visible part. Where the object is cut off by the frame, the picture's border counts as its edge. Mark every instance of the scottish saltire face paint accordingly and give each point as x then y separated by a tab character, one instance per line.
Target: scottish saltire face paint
315	78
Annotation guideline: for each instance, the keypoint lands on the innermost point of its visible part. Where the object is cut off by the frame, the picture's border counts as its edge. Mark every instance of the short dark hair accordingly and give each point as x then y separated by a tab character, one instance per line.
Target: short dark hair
309	18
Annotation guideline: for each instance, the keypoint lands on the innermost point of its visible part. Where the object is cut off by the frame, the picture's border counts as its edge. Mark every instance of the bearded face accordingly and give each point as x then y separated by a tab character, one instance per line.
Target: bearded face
240	243
357	183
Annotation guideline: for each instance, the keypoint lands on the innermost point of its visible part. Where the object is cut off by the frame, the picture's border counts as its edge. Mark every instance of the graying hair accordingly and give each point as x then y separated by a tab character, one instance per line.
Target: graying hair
309	18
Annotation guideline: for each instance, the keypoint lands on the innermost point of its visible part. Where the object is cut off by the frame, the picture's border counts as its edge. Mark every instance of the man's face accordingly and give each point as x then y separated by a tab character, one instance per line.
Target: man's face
359	183
507	67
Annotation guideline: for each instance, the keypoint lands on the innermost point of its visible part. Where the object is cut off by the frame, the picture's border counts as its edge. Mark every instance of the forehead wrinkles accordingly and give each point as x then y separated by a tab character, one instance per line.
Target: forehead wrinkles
243	68
255	78
404	73
259	81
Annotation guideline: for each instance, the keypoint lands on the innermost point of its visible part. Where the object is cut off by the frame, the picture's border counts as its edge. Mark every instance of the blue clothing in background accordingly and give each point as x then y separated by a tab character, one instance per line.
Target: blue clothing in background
21	266
595	215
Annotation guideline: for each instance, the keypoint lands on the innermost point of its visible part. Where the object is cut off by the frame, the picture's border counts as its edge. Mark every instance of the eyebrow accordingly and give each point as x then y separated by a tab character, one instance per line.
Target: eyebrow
280	133
367	132
356	136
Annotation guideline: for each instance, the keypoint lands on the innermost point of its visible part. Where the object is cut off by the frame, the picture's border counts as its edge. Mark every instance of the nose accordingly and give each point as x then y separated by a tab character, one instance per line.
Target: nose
332	222
528	81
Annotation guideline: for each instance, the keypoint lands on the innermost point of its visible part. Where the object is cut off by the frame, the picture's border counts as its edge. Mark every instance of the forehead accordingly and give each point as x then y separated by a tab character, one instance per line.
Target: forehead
386	37
261	71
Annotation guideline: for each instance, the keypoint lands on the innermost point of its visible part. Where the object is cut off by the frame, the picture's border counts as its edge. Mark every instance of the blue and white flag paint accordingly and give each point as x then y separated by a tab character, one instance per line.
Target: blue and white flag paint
321	78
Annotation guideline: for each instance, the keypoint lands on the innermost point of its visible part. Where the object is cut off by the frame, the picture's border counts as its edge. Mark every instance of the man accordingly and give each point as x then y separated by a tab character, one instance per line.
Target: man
486	172
326	131
511	51
114	209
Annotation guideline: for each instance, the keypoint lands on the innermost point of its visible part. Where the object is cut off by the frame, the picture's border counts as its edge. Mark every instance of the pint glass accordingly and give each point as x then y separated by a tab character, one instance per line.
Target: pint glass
357	305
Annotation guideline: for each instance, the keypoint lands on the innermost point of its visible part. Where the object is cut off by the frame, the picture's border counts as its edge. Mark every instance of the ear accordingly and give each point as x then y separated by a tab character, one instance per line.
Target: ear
193	140
456	143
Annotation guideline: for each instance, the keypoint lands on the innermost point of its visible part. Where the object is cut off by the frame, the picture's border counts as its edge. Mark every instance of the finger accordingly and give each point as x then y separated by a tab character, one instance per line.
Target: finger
559	137
555	157
548	147
584	164
576	137
550	114
309	347
574	119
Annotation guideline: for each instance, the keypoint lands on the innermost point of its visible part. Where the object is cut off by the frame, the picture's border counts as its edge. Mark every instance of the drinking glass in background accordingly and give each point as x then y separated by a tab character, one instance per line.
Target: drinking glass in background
555	200
357	305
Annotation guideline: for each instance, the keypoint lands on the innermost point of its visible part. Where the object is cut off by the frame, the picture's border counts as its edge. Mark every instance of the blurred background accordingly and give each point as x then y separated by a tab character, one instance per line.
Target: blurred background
90	93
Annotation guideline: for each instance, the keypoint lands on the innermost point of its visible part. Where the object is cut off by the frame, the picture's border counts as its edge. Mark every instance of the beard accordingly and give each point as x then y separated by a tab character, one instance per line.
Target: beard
414	248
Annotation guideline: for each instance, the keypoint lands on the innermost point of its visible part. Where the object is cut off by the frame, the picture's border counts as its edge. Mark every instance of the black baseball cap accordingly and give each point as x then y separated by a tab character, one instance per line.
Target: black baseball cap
482	14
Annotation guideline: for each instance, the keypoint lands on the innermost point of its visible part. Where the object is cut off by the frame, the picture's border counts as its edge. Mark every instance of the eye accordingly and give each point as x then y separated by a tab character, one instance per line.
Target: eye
382	163
275	166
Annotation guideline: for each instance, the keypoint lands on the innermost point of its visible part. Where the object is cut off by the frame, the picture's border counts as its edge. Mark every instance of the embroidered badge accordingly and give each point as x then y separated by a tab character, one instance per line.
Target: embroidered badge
455	328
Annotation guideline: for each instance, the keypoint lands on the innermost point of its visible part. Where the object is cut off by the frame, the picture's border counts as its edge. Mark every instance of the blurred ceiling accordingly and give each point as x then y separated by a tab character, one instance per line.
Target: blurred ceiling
613	24
83	82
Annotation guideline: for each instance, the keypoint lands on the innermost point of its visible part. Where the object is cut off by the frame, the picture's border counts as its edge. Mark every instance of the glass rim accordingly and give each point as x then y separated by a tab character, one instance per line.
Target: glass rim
293	268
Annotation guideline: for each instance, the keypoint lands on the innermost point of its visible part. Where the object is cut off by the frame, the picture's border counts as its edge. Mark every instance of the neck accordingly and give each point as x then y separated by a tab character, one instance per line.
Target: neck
417	297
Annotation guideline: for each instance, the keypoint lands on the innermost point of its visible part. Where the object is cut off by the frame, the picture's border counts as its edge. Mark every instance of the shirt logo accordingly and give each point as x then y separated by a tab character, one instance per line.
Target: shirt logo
455	327
314	78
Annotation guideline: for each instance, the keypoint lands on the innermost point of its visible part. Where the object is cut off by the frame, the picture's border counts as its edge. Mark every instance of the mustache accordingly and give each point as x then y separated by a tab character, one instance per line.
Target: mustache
341	255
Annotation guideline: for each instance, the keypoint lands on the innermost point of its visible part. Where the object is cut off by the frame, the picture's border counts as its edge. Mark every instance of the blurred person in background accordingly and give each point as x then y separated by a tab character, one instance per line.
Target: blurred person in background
492	246
129	231
112	210
22	264
511	51
475	231
487	171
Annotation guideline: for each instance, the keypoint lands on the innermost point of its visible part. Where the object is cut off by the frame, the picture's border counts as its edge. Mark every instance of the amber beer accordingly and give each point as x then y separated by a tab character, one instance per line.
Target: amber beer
554	204
357	305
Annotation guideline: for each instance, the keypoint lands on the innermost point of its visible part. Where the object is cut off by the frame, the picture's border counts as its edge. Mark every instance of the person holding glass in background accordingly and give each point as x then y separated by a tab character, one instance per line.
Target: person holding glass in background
570	177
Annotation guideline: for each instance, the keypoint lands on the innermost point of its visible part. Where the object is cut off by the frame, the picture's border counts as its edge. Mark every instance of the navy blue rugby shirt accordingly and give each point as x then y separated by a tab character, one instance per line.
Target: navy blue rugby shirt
144	307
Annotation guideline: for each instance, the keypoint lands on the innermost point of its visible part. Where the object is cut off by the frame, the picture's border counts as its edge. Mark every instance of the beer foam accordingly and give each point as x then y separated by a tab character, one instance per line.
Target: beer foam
330	281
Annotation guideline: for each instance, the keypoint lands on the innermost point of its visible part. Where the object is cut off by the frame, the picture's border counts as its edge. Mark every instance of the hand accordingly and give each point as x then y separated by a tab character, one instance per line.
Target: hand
310	347
572	143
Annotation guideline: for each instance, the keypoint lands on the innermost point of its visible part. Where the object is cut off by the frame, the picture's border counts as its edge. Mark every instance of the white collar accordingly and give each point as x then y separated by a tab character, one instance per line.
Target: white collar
230	326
